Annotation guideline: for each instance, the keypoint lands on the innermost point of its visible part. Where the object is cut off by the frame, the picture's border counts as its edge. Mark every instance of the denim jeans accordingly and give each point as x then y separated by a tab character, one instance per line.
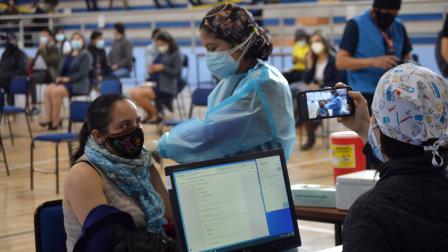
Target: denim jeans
122	73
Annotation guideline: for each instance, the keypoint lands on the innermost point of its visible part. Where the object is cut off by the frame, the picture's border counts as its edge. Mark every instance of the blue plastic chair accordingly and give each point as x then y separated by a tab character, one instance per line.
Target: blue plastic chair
2	147
49	231
199	98
19	86
78	111
111	86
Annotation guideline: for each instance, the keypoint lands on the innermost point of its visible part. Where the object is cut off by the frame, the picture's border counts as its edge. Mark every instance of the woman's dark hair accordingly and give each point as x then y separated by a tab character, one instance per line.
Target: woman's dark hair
329	50
49	32
98	117
396	149
57	30
120	28
166	37
155	32
95	34
301	34
234	25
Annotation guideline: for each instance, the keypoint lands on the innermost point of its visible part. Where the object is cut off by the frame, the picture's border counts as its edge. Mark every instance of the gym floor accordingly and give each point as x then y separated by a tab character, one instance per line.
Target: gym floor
18	202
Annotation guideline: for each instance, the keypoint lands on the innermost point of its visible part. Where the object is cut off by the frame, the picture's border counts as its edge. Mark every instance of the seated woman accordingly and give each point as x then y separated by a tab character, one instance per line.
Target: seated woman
165	72
113	192
73	79
322	72
407	210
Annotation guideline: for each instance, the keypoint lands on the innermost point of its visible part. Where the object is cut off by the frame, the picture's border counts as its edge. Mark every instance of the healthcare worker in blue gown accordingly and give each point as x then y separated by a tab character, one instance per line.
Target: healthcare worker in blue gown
250	109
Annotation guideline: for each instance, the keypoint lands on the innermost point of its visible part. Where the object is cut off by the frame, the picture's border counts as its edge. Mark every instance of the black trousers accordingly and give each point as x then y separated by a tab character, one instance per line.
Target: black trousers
38	77
293	76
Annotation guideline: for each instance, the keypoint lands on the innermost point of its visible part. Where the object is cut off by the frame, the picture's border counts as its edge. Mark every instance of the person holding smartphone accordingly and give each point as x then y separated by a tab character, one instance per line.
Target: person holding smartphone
407	210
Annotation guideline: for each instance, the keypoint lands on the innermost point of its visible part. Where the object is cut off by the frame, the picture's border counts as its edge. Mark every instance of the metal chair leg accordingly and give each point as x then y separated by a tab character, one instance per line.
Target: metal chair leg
32	165
70	151
28	124
4	155
57	168
10	130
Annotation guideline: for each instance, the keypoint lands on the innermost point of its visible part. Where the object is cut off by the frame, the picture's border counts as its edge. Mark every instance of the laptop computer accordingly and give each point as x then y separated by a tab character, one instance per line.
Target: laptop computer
241	203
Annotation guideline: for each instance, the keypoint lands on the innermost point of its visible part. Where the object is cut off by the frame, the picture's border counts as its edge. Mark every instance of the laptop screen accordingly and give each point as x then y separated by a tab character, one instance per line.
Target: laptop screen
234	205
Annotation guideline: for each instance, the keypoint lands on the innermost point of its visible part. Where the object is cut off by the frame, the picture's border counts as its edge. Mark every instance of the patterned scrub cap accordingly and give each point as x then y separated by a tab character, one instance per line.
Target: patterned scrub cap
410	105
235	24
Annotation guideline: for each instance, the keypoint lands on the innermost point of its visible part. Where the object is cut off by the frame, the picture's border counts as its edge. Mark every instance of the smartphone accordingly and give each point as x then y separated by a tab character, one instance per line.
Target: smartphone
324	104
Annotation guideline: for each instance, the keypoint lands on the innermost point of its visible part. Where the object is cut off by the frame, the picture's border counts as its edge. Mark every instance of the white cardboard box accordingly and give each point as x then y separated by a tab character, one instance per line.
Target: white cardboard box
350	186
314	195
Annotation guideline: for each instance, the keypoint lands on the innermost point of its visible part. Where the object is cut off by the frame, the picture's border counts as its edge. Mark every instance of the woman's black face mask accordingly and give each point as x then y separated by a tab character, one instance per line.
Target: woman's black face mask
127	144
384	20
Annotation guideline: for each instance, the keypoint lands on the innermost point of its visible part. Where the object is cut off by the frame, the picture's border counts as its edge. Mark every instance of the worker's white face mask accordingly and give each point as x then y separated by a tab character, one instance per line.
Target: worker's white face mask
317	47
221	63
163	49
60	37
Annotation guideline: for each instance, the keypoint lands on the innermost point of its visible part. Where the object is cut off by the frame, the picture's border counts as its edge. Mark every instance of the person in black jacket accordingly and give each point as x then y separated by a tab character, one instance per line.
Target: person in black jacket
407	210
13	62
100	68
321	72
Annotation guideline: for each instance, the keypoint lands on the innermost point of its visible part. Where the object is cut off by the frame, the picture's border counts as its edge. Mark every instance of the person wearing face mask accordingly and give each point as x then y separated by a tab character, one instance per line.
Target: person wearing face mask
321	72
373	43
151	51
250	109
73	80
13	62
100	68
114	198
120	55
299	52
61	41
407	210
45	65
165	72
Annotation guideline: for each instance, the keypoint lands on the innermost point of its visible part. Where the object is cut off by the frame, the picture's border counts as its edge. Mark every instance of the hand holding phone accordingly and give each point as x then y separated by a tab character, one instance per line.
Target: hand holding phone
324	104
360	120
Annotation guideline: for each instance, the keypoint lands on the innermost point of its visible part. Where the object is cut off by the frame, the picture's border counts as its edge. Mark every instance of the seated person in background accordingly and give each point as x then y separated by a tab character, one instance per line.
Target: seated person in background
407	210
299	53
100	68
321	72
120	55
61	41
73	80
165	73
321	64
13	62
45	65
113	192
151	51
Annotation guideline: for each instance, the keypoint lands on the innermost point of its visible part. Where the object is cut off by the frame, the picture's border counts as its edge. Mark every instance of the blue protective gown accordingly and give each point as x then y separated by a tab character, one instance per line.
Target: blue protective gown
246	113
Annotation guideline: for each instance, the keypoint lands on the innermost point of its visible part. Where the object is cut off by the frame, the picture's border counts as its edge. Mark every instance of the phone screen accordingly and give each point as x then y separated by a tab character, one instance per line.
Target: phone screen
325	103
